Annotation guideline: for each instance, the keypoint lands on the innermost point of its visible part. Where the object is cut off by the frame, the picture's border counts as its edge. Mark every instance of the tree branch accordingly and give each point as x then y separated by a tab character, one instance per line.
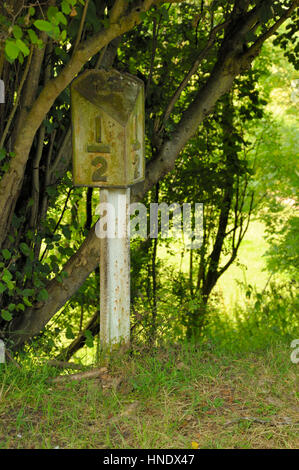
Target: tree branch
14	109
255	48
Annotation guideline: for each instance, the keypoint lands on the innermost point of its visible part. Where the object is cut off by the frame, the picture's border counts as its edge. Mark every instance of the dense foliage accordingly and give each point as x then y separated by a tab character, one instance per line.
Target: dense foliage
212	136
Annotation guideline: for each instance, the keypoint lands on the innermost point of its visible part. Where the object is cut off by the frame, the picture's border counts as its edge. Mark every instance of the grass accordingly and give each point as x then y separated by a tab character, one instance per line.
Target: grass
179	396
238	390
250	268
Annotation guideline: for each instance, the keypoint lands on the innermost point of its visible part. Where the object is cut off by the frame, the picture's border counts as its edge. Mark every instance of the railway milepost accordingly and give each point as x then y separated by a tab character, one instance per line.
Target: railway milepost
107	110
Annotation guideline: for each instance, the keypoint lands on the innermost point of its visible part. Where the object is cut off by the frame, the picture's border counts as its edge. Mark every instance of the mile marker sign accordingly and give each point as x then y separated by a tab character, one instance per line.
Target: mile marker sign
108	129
108	153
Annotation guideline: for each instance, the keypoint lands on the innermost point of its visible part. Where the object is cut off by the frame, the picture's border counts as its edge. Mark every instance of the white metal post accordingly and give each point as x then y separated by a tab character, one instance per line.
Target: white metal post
2	352
115	267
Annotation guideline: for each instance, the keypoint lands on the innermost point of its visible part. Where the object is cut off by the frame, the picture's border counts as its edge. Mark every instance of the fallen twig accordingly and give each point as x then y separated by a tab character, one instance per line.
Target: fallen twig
90	374
11	359
246	418
253	419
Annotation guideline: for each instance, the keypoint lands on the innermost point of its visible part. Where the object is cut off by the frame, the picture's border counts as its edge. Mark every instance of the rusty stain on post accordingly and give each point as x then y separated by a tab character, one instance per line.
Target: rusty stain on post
115	271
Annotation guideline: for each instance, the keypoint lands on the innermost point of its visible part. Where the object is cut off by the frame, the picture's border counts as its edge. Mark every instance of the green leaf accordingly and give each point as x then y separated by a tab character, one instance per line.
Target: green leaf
11	49
63	35
22	46
2	154
25	249
55	33
6	315
30	235
27	292
42	295
2	288
16	221
27	302
69	333
51	13
88	338
6	254
10	285
50	343
43	25
89	342
6	276
33	36
17	31
61	18
66	232
65	7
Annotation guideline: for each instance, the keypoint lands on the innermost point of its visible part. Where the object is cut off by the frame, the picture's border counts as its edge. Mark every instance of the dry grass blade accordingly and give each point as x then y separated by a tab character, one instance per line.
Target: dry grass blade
64	364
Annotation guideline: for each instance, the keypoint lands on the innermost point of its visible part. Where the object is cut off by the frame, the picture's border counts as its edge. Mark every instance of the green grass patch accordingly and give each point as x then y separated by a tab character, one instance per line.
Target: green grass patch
169	396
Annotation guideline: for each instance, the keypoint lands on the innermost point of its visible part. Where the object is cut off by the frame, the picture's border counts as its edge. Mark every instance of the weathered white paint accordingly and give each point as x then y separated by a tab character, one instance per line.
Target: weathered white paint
115	269
2	352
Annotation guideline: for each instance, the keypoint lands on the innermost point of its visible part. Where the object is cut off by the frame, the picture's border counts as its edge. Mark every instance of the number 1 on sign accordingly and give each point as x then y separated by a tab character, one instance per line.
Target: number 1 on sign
99	161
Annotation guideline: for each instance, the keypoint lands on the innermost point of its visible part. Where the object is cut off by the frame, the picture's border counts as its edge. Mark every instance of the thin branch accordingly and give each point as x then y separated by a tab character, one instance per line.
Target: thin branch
191	72
60	219
66	142
79	34
39	153
35	176
100	59
14	109
154	48
48	174
260	41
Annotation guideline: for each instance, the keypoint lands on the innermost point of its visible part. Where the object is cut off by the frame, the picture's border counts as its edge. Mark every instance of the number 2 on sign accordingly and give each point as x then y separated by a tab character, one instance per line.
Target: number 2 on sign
99	161
99	174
